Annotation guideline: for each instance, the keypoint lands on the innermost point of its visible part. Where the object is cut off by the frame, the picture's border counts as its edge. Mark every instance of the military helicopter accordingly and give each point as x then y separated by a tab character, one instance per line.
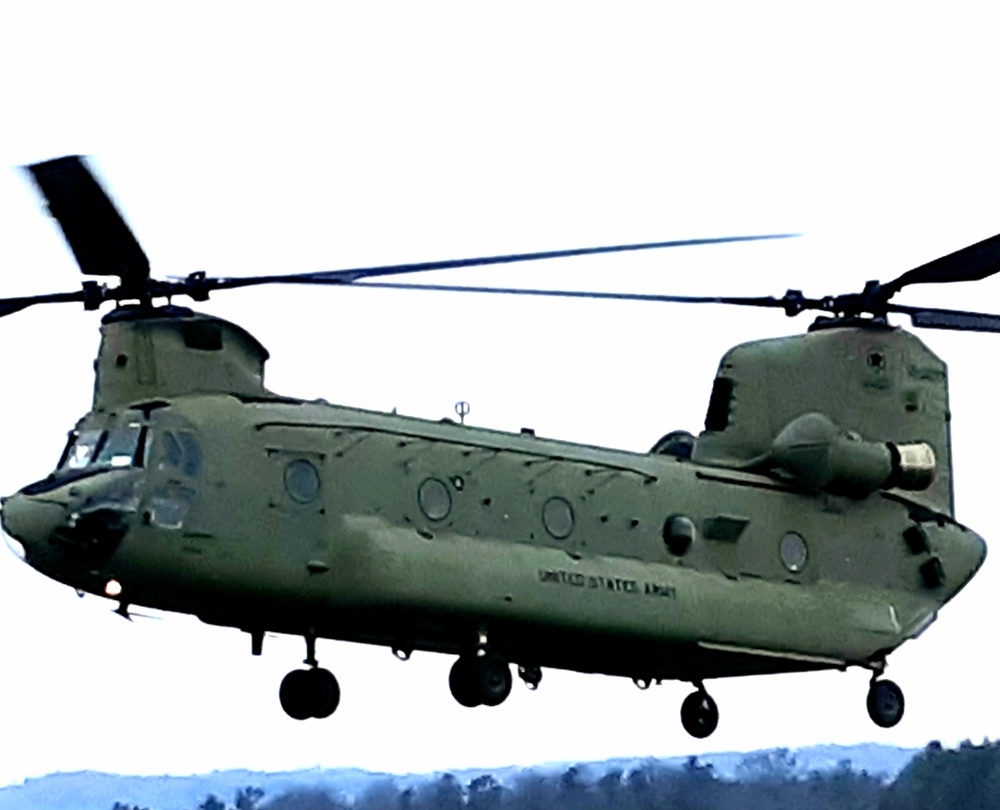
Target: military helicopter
809	526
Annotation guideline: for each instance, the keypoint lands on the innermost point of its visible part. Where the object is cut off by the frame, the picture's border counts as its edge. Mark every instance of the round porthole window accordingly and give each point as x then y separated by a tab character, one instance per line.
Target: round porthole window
557	515
302	481
678	533
794	552
434	498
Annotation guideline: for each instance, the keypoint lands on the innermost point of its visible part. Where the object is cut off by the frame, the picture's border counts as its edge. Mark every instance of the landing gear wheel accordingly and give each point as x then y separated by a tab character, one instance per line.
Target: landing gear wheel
306	693
325	693
885	703
461	680
480	681
699	714
494	680
294	694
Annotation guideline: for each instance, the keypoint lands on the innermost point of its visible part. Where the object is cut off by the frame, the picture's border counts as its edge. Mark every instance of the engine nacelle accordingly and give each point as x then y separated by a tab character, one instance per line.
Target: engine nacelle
817	453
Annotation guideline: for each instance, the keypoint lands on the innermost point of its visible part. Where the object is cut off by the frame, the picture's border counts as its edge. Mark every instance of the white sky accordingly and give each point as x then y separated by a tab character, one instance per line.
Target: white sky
243	139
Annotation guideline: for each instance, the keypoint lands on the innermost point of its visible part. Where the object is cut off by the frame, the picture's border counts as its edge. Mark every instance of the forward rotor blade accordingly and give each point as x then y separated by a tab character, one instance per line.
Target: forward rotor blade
8	306
355	274
98	236
971	263
950	319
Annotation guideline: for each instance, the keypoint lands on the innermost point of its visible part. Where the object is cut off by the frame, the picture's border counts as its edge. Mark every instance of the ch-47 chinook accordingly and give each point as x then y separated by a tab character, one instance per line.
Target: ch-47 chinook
809	526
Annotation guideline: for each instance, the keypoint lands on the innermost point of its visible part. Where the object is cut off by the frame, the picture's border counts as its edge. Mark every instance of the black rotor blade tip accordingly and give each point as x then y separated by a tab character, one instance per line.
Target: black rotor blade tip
94	229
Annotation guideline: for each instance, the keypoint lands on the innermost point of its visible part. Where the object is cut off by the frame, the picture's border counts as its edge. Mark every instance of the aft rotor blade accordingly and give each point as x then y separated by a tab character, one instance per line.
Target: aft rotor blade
98	236
950	319
769	301
355	274
971	263
792	303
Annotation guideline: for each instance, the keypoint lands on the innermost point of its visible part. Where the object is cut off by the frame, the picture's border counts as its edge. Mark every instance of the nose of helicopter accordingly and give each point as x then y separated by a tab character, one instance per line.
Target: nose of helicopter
81	532
28	523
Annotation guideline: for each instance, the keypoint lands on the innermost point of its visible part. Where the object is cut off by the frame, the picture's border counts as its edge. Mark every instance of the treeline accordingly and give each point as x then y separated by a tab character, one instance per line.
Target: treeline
966	778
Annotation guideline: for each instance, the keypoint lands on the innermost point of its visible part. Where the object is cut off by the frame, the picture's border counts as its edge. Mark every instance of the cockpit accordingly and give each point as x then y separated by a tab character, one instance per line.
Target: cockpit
113	466
90	450
161	445
131	444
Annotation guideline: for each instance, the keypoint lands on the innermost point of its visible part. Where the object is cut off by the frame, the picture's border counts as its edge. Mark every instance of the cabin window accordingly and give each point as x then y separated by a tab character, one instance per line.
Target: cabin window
302	481
794	552
678	533
434	499
557	515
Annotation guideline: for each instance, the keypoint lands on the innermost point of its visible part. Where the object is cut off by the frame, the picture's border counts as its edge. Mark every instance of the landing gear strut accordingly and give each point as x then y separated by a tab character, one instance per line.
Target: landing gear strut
480	680
312	692
885	703
699	714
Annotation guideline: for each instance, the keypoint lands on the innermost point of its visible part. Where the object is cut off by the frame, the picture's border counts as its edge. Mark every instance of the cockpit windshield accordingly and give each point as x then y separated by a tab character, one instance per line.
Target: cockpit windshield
97	449
80	450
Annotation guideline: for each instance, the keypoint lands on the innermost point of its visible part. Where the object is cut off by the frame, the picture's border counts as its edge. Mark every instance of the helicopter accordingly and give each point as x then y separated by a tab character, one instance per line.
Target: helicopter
809	526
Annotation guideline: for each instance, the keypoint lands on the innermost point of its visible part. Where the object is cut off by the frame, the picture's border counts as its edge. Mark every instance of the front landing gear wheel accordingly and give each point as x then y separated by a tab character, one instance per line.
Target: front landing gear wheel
699	714
461	680
325	693
493	680
306	693
294	694
885	703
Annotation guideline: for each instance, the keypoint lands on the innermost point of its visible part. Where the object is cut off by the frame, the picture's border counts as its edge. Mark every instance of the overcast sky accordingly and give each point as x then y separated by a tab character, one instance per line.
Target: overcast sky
242	139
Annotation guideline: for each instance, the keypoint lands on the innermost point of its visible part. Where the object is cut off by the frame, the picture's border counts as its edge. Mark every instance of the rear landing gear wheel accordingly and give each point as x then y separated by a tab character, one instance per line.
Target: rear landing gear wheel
480	681
885	703
306	693
699	714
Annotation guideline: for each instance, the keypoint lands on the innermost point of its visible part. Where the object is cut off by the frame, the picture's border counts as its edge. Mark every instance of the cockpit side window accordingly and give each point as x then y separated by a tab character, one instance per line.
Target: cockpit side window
171	449
179	450
192	453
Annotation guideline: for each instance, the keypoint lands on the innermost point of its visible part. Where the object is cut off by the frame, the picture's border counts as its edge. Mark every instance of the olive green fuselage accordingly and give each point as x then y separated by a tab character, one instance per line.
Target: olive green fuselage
421	535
